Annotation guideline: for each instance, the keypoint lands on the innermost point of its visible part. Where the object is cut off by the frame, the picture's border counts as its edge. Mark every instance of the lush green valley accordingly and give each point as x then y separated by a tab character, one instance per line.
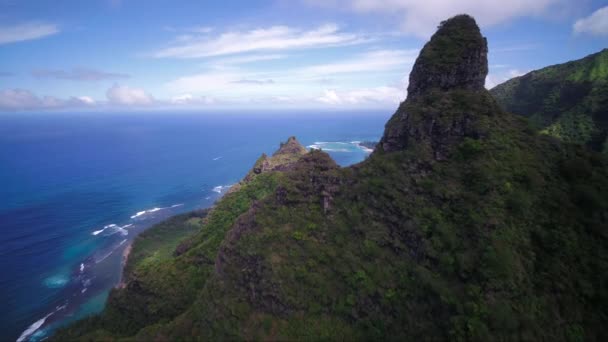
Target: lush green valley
568	101
464	224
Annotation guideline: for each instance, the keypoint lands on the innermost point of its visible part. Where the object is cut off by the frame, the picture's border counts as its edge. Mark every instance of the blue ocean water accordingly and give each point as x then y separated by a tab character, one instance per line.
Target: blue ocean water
75	188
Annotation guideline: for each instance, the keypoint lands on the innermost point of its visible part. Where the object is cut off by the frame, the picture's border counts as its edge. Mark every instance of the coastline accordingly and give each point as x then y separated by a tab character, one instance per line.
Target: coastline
125	257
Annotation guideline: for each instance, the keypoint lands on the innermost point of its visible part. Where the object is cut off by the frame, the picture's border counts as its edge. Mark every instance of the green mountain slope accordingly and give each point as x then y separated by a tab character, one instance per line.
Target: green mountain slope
463	224
568	101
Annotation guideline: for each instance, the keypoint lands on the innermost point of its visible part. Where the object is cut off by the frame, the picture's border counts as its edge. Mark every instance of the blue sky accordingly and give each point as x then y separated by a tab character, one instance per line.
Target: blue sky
169	55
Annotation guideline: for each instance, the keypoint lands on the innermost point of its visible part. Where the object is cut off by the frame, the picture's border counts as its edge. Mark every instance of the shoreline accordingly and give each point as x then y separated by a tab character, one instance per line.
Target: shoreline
125	257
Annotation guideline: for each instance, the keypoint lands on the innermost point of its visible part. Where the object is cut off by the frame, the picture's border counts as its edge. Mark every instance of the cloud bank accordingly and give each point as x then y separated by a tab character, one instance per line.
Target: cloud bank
124	95
420	17
78	74
274	38
26	31
20	99
595	24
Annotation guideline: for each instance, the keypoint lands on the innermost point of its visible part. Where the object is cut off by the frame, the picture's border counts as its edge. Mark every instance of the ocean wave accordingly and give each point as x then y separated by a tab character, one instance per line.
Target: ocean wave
222	188
113	229
217	158
364	148
330	146
153	210
143	212
32	328
36	325
339	146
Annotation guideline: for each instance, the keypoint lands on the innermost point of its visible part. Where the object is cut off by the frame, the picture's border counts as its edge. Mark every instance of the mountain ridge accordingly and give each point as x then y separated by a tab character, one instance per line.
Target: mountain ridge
566	100
463	224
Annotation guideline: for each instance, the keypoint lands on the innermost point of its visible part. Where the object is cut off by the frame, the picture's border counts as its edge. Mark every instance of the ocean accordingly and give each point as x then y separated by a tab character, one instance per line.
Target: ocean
76	188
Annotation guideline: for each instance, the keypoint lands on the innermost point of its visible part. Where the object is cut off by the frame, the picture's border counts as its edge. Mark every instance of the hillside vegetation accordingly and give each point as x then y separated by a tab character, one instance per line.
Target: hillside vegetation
568	101
464	224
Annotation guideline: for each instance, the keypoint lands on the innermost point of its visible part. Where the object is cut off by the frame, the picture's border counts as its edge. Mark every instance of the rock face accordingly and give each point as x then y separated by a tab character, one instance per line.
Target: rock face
455	59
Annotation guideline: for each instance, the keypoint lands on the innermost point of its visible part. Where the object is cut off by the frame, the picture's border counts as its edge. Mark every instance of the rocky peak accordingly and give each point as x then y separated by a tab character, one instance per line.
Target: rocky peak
291	146
284	158
455	57
447	100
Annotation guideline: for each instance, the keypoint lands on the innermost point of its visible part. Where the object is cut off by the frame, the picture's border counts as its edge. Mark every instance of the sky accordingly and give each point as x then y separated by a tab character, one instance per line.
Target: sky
121	55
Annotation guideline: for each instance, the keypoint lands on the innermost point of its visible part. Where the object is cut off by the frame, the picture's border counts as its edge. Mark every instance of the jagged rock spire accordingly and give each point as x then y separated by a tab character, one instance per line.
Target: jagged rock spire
455	57
433	116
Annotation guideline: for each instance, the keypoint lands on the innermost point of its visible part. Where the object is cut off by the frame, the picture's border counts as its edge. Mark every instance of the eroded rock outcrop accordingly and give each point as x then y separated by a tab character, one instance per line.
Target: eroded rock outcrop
455	57
437	113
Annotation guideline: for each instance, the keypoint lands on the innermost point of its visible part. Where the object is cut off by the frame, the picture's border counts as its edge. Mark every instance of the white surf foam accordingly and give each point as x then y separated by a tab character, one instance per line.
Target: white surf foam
339	146
221	188
139	213
153	210
217	158
114	228
81	267
365	149
97	232
328	146
32	328
36	325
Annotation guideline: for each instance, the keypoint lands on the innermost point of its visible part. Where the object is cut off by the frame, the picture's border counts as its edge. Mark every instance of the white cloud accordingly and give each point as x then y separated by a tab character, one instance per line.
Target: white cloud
256	82
303	82
380	60
274	38
420	17
377	95
181	99
201	29
204	82
248	59
26	31
494	79
595	24
124	95
189	99
86	100
516	73
20	99
78	74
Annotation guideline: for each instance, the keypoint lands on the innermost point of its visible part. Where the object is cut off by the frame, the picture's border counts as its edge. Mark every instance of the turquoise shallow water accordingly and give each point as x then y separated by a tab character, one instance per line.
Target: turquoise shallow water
76	188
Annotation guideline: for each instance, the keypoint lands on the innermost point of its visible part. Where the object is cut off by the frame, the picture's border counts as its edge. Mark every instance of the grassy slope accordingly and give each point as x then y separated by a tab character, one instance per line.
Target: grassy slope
568	101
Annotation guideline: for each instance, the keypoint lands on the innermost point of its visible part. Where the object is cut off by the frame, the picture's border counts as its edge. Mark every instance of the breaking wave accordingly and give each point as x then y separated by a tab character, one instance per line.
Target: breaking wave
339	146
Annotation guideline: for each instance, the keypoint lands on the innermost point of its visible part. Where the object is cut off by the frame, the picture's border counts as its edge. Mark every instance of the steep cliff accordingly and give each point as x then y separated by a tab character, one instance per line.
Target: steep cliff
463	224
